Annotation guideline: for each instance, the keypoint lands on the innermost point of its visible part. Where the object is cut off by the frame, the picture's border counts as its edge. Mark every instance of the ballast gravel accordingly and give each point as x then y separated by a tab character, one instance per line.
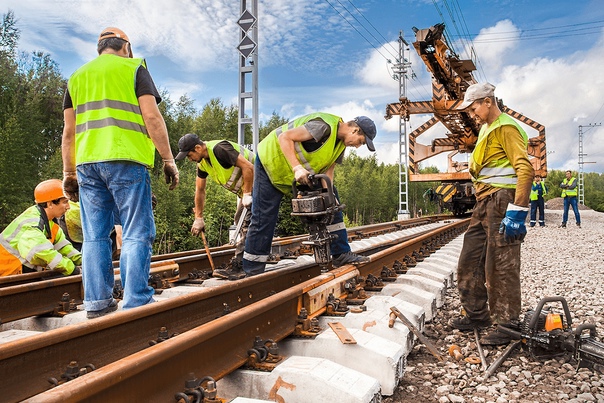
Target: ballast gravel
566	262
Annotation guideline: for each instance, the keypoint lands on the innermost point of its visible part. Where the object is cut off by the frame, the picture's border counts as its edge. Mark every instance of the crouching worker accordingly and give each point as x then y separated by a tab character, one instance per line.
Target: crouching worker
34	241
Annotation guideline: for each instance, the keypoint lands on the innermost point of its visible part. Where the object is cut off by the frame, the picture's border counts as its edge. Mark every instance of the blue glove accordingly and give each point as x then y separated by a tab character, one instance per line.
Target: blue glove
512	226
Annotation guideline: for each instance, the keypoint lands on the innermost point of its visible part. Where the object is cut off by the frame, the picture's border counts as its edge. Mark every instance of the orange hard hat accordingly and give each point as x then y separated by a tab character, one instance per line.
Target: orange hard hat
113	32
48	190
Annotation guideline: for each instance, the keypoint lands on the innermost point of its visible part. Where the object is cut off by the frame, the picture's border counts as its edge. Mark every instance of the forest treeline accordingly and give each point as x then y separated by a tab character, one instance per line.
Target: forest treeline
31	122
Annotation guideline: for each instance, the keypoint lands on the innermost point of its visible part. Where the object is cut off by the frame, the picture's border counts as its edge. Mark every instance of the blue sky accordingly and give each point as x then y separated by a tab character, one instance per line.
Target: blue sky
545	57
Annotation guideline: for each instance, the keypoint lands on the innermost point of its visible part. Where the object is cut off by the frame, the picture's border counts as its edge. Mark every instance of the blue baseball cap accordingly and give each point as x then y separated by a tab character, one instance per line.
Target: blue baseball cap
369	130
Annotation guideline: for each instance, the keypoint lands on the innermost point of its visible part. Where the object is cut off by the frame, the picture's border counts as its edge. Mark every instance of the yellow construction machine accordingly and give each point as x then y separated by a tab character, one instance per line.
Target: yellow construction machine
451	77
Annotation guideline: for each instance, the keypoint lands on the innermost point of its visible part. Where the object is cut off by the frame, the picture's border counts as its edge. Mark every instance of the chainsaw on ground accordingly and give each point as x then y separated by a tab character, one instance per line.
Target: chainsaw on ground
316	205
546	333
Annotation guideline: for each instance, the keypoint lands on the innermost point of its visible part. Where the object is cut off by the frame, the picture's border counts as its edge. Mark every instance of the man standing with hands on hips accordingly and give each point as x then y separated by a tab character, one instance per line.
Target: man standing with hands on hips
488	271
112	128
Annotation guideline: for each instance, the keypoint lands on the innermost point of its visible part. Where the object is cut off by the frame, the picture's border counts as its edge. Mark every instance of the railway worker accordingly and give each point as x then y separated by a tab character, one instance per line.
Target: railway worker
34	241
538	190
112	128
232	167
569	195
311	144
488	271
71	224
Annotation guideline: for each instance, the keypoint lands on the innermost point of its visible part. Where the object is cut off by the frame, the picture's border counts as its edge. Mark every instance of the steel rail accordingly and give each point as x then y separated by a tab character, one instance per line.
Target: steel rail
286	243
47	354
56	295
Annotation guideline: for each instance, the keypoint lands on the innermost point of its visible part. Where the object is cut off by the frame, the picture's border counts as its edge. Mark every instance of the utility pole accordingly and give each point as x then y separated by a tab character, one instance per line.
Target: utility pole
581	185
248	66
400	73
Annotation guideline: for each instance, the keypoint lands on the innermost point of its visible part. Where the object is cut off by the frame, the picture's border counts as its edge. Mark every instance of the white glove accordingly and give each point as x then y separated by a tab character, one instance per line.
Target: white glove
301	175
246	200
198	226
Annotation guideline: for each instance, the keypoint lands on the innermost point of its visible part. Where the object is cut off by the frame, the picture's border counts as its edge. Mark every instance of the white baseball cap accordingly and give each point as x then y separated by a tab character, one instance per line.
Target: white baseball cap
476	92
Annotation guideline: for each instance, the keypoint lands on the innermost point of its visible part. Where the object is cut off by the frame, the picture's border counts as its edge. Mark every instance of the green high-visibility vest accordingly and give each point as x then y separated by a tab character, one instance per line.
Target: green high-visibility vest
497	173
109	124
278	167
569	192
37	243
535	192
229	178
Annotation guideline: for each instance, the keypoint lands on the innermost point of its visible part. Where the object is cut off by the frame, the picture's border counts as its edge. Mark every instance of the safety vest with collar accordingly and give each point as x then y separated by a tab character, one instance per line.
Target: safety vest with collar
229	178
497	173
36	242
109	123
535	190
569	192
318	161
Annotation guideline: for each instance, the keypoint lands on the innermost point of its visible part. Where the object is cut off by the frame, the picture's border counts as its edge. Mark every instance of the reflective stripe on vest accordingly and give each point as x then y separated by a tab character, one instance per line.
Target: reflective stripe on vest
569	192
229	178
278	167
535	192
109	123
11	239
499	173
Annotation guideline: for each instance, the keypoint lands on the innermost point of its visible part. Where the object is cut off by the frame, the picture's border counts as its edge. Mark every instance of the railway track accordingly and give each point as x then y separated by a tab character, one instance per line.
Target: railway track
199	329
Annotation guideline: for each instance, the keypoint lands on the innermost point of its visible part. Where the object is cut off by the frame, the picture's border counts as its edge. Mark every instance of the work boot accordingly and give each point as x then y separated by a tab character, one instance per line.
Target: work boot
348	258
233	271
464	323
563	225
495	338
102	312
579	224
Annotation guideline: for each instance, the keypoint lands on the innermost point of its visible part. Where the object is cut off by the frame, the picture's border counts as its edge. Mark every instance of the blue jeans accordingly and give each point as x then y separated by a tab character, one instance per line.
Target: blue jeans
126	188
571	201
265	213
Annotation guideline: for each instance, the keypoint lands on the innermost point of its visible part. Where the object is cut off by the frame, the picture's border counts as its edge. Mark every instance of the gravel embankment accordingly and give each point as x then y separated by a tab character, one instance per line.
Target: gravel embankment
566	262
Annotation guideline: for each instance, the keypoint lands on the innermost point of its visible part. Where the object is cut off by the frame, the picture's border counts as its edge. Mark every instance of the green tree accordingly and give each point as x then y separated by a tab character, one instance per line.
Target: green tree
31	97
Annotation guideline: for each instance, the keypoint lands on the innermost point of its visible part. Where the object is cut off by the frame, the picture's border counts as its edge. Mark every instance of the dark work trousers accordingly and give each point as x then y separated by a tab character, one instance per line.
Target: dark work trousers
538	204
488	271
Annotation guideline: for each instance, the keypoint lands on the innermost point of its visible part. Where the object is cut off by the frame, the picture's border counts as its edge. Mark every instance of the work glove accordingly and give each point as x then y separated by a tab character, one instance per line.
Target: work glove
246	200
171	173
198	226
512	226
70	186
301	175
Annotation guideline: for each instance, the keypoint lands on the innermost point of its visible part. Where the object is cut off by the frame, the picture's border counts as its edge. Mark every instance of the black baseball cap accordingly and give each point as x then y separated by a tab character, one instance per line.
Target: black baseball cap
187	144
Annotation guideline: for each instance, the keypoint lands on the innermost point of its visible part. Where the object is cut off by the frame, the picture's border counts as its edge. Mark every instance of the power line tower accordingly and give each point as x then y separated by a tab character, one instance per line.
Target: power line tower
400	72
248	68
581	185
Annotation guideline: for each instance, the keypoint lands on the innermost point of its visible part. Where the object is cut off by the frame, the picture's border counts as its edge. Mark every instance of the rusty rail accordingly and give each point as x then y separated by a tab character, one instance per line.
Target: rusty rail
22	296
214	339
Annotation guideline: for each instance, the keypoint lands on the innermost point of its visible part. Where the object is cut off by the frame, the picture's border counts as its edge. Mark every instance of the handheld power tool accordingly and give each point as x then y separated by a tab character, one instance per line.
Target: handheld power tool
316	205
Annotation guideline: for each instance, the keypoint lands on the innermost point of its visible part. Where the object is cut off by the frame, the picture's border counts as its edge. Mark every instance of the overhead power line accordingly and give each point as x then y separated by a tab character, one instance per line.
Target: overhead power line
359	32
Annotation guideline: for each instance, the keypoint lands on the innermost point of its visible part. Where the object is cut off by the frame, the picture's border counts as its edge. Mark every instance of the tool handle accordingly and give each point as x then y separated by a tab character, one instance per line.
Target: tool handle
205	244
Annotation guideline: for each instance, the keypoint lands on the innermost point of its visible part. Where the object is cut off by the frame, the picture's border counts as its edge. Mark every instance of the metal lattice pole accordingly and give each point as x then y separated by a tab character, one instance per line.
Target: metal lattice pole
248	66
581	185
400	72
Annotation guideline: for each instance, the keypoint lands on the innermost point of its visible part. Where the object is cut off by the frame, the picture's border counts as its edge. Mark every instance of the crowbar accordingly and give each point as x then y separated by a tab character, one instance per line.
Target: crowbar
416	332
483	359
205	244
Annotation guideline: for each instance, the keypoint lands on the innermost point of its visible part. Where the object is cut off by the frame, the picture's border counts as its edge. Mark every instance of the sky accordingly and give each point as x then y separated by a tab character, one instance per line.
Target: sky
544	56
